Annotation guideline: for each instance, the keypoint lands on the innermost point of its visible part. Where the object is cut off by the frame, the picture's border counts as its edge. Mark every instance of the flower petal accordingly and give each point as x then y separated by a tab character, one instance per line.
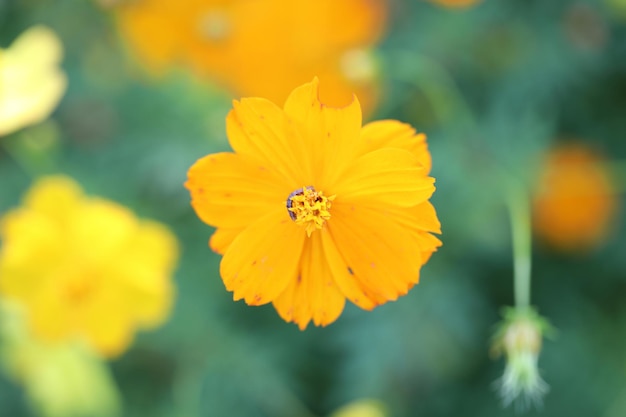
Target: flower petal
395	134
259	129
314	294
419	220
330	135
383	256
421	217
32	83
229	190
54	196
48	316
389	175
107	324
428	244
142	268
344	277
264	258
222	238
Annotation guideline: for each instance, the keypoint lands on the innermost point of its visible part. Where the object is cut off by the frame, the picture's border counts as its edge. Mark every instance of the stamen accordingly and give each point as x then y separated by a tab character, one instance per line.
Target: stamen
309	208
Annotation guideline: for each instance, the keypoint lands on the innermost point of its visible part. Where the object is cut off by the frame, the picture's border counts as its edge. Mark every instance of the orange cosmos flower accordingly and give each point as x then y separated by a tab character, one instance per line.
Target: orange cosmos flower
576	203
262	48
312	208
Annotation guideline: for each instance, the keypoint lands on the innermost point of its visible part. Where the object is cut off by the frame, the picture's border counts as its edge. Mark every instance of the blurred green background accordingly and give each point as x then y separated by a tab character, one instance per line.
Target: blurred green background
491	85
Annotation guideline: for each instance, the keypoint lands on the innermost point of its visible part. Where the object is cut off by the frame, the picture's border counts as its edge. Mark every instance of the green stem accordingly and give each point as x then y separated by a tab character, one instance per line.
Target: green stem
519	208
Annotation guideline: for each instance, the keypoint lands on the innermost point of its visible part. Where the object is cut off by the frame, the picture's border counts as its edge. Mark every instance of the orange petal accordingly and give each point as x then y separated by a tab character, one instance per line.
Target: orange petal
395	134
259	129
382	255
419	221
229	190
344	277
264	258
222	238
428	244
330	134
421	217
389	175
314	294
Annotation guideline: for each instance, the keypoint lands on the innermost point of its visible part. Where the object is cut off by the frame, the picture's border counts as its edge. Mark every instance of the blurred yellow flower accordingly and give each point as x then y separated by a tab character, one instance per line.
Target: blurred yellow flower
362	408
61	380
575	203
31	81
455	3
312	208
85	267
263	48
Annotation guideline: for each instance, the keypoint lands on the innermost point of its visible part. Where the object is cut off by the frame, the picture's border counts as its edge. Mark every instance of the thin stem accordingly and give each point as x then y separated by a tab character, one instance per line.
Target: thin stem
519	209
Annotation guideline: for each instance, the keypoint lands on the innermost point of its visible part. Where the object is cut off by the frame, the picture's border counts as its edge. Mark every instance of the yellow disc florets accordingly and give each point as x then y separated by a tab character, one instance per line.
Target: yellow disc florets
309	208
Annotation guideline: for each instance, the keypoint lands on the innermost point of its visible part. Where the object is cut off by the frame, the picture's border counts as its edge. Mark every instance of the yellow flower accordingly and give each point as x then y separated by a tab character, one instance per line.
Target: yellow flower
455	4
576	202
85	267
312	208
262	48
31	82
365	407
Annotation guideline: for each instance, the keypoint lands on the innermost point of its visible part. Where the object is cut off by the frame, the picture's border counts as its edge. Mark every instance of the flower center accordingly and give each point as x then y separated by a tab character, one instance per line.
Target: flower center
309	208
79	290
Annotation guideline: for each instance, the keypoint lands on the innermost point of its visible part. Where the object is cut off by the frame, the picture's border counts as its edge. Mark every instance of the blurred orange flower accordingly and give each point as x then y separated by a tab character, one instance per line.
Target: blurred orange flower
262	48
85	267
575	204
31	81
312	208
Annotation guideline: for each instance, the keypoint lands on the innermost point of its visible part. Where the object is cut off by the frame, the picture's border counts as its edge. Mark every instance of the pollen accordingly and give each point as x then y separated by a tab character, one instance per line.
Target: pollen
309	208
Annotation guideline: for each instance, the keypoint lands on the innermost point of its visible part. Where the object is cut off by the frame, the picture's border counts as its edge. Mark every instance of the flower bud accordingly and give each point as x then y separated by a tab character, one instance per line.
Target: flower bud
520	339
